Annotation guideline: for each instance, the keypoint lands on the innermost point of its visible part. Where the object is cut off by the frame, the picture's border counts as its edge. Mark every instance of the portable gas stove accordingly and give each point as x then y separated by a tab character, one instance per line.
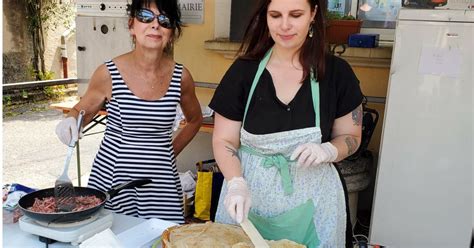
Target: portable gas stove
72	232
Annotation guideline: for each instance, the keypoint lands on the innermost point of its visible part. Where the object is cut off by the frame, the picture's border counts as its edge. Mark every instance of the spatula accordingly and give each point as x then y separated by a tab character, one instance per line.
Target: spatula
253	234
63	188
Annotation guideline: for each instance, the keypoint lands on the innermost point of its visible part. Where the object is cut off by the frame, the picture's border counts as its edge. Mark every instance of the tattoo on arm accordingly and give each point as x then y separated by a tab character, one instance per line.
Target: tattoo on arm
232	151
351	143
357	116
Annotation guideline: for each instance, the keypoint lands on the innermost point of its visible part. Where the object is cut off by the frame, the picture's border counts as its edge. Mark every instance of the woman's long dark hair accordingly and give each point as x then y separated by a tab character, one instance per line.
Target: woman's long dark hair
257	39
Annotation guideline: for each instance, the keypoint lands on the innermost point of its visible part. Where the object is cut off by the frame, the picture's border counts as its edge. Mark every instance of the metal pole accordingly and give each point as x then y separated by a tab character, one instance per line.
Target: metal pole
78	157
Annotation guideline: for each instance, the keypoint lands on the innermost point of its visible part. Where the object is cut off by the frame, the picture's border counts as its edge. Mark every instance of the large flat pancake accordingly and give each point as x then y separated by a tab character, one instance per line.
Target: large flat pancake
214	235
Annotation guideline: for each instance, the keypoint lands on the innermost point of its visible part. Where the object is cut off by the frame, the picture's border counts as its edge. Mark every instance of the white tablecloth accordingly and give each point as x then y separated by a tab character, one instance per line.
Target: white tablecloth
13	236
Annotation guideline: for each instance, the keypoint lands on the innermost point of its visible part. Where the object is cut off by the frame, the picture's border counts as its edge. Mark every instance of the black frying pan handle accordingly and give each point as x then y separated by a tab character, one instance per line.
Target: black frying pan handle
135	183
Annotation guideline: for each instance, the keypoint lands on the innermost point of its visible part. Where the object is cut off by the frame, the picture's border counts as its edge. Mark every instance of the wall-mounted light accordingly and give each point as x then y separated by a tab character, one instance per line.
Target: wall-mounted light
365	7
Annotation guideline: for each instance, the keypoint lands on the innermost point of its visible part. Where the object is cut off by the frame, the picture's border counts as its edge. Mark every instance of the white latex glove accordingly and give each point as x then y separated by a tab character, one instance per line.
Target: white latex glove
66	130
237	201
311	154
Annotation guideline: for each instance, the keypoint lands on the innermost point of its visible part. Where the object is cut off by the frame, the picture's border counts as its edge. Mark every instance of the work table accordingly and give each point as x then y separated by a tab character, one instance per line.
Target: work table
13	236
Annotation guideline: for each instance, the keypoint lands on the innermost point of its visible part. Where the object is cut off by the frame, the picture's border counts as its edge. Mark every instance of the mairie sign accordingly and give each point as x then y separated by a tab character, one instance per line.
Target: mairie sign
192	11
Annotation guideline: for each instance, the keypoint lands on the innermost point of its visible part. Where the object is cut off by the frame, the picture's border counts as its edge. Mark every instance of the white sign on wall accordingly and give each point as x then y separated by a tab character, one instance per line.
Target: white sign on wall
192	11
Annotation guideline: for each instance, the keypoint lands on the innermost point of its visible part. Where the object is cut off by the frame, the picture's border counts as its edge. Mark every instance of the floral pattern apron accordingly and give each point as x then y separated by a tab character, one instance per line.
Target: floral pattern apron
278	186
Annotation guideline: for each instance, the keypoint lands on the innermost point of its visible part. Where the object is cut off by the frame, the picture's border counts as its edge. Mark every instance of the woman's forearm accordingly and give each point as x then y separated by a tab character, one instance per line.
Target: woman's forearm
346	145
227	158
186	135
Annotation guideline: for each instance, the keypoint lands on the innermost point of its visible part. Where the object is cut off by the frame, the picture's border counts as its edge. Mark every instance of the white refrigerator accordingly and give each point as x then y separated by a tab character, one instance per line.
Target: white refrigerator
424	189
101	34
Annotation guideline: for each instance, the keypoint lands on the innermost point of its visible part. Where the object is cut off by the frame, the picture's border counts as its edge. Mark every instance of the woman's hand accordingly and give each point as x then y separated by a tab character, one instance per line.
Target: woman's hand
312	154
237	200
346	136
67	130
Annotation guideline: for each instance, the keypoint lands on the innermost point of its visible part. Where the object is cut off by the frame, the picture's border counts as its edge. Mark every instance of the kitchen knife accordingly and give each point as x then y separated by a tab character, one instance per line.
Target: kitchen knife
253	234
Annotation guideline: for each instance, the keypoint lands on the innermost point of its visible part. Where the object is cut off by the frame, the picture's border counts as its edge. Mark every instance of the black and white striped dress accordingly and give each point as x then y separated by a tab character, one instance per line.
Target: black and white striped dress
138	145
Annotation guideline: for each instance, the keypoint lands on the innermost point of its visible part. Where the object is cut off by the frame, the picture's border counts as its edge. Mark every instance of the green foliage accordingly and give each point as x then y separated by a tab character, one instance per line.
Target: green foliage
56	14
45	15
31	72
47	75
21	107
7	100
54	92
49	14
8	113
334	15
24	94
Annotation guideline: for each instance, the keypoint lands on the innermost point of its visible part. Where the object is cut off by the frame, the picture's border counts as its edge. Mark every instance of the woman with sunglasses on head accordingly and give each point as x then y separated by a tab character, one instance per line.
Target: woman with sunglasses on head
285	112
141	90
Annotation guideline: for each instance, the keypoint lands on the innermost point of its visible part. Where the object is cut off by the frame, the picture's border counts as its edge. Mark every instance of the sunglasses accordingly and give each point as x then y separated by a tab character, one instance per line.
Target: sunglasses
147	16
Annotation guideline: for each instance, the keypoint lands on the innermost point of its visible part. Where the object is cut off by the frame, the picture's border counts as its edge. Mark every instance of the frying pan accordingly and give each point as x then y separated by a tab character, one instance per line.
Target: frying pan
27	201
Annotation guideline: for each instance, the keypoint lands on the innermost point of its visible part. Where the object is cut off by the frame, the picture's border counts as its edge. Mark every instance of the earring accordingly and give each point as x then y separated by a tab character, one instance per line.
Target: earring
311	31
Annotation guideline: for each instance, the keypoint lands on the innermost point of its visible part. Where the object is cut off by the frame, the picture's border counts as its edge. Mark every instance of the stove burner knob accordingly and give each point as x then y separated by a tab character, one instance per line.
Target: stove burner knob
102	7
104	29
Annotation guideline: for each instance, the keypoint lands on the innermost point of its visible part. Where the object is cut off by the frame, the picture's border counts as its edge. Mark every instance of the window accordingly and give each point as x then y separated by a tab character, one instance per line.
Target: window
379	16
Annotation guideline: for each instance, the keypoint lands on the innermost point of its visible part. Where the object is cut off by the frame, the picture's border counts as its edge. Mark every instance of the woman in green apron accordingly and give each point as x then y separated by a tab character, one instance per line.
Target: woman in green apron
285	110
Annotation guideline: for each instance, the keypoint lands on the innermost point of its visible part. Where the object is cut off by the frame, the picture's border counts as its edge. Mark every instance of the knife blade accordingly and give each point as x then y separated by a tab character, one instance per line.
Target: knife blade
253	234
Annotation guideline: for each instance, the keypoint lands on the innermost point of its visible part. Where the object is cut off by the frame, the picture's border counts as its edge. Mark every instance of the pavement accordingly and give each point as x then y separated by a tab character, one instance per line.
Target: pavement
34	156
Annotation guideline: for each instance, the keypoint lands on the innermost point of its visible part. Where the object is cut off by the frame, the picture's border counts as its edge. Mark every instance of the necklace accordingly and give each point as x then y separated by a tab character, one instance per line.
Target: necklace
152	84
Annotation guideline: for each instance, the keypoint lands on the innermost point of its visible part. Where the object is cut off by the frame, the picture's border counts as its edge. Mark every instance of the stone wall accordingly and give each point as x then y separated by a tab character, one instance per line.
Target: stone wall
16	43
17	47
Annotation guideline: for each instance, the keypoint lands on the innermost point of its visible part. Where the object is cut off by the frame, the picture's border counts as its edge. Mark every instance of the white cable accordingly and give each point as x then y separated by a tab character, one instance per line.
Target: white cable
361	235
360	223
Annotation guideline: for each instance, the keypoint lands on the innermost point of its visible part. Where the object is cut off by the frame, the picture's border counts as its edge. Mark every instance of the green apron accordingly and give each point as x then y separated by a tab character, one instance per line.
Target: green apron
303	205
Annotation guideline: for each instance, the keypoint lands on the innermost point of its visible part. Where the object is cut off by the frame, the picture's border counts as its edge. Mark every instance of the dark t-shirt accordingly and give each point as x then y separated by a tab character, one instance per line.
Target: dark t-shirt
339	95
